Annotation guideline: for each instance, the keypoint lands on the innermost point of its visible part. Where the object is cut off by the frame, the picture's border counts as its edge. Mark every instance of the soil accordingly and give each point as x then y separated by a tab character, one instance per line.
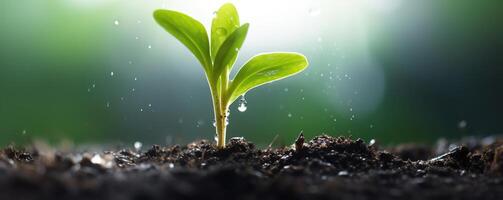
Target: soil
322	168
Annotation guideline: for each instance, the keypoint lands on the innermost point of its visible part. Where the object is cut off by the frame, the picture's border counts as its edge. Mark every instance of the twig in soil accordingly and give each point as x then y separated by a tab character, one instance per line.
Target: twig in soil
273	140
299	143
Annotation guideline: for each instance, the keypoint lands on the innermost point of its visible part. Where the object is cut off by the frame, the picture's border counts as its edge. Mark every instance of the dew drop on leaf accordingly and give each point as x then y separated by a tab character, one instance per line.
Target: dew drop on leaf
221	31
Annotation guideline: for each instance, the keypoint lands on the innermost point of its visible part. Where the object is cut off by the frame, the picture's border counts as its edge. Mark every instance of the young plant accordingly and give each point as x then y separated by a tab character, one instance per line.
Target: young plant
218	54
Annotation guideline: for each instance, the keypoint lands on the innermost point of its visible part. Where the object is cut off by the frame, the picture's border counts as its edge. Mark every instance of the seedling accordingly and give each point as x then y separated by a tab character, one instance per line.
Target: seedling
218	56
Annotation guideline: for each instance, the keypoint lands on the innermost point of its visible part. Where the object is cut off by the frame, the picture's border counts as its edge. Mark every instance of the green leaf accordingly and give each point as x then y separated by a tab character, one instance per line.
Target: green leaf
226	20
189	32
228	52
265	68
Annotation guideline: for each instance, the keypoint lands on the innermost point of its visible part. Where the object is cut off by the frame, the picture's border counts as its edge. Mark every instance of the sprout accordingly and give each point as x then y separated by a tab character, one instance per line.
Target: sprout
217	58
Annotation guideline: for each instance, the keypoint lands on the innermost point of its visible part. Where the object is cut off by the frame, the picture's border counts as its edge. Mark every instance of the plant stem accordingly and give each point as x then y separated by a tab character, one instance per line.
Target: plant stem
220	108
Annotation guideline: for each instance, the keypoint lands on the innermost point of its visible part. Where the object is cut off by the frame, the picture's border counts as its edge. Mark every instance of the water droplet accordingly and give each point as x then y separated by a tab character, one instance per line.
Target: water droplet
141	109
335	119
23	132
132	89
136	38
289	114
216	138
286	89
108	104
372	142
130	62
221	31
137	145
149	105
199	123
149	46
135	78
242	104
236	49
116	22
138	21
371	125
214	124
351	109
111	73
462	124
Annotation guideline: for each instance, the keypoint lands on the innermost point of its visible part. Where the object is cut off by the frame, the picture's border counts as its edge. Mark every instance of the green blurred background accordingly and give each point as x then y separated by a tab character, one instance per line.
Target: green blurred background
102	71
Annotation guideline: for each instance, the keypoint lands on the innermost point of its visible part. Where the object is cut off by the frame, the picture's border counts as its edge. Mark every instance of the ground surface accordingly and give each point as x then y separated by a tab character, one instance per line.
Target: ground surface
322	168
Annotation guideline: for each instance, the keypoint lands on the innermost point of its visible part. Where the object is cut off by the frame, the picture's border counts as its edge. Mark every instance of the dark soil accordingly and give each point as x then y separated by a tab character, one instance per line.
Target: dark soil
322	168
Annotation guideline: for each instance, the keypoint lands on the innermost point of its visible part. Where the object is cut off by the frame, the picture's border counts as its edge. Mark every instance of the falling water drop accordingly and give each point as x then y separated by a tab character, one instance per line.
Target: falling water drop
137	145
111	73
242	104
